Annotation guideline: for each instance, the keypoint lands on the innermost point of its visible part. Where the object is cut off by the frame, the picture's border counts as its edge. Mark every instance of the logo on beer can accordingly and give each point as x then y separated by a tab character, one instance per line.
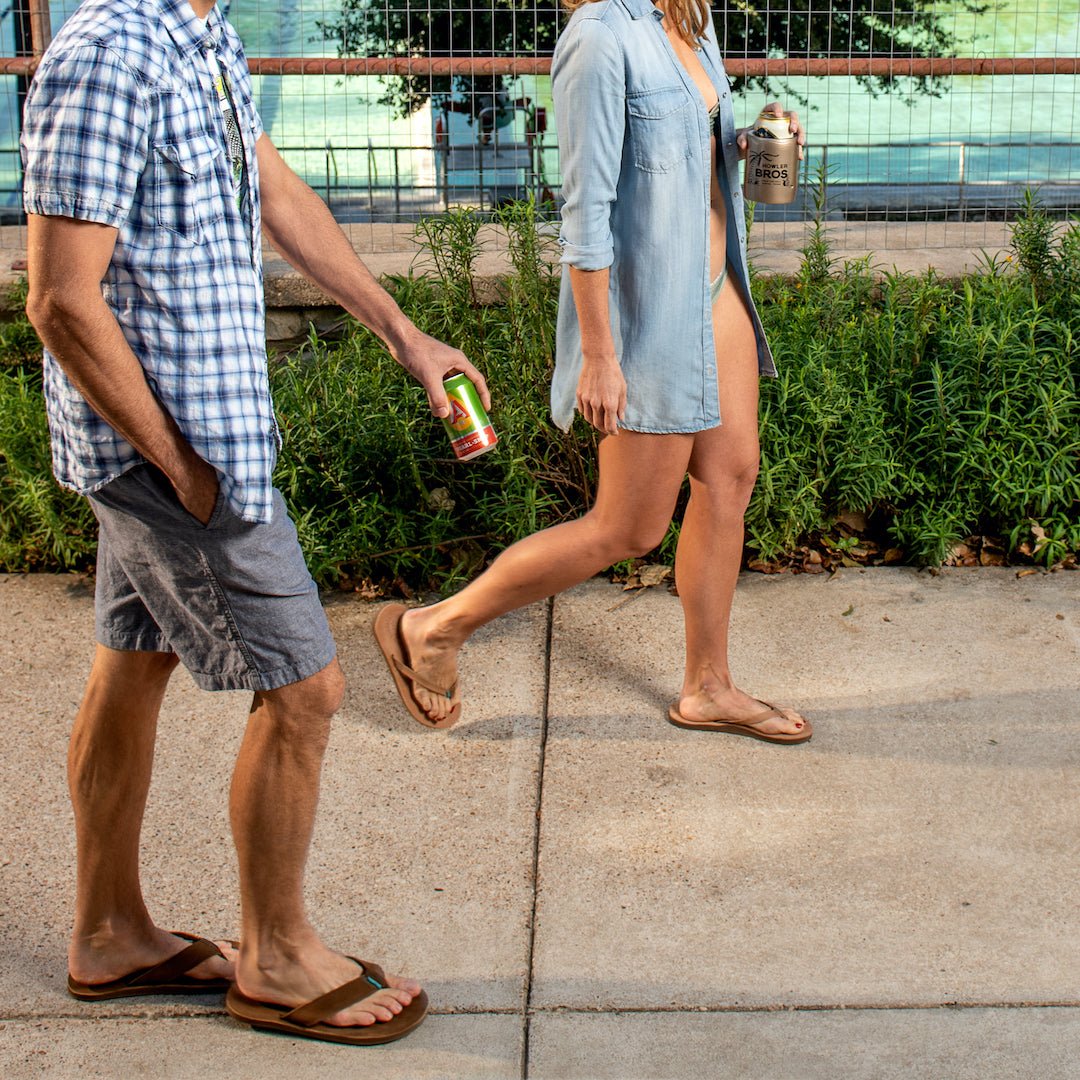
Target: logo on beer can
468	425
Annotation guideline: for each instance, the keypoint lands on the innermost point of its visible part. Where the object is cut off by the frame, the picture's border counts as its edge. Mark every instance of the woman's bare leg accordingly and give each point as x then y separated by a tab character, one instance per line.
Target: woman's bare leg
629	518
723	468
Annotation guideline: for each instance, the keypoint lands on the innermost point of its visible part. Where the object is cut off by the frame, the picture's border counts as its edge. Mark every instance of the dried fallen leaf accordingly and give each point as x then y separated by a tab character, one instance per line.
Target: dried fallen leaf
851	608
852	520
1026	571
893	555
989	557
439	499
653	574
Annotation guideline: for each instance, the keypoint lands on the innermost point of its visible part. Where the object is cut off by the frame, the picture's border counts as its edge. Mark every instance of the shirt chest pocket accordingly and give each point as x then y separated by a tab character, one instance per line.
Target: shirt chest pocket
188	194
660	134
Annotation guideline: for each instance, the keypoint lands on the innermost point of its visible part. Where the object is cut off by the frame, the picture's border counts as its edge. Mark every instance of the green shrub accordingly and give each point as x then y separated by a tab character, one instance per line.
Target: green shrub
42	525
937	408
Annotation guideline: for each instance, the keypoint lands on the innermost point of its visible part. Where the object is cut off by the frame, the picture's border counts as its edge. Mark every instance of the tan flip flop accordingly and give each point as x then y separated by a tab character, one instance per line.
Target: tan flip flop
742	727
305	1021
387	630
168	977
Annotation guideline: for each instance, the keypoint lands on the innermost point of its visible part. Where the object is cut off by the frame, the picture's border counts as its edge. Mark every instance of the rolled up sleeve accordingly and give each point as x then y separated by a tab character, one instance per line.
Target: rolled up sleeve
588	81
85	137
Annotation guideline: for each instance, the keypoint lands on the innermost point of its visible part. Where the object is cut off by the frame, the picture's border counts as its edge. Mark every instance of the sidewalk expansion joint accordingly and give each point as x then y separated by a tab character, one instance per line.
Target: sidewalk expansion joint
929	1006
537	821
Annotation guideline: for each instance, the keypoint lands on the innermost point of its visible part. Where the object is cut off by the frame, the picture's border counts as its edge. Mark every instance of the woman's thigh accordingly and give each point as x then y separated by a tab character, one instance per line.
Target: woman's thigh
731	450
640	477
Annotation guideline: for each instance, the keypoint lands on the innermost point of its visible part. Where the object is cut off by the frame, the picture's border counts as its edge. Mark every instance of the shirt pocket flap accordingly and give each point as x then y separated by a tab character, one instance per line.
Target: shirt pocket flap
656	104
194	157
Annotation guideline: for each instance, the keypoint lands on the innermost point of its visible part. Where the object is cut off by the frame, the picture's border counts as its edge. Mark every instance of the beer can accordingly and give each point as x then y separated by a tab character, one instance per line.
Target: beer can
770	126
772	160
468	424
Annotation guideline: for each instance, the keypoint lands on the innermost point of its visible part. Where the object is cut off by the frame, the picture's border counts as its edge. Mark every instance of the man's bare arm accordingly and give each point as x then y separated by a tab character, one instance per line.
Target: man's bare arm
66	262
299	225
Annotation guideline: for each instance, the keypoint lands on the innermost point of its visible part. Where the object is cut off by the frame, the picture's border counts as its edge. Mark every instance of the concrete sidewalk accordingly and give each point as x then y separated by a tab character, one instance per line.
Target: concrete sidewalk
588	892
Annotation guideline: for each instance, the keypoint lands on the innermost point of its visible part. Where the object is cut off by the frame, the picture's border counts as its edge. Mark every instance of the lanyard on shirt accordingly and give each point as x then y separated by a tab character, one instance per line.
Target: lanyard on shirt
235	141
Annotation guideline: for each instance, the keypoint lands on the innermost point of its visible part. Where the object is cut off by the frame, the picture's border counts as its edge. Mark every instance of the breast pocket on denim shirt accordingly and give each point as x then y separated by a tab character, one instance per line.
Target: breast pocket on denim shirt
660	127
187	189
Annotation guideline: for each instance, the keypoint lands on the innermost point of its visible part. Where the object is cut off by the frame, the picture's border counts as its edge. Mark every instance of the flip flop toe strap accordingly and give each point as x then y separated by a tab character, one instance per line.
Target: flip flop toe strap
199	950
408	672
334	1001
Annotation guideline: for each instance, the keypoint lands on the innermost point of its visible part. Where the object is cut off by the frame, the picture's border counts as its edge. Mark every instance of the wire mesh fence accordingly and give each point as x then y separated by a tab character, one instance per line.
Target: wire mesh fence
927	120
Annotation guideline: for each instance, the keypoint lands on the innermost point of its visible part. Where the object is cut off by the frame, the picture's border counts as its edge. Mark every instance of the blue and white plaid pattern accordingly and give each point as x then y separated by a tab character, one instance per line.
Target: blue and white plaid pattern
123	127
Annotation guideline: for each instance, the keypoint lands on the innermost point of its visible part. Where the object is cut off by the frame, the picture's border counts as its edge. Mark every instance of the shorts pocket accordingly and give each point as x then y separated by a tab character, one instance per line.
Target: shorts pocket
187	195
660	128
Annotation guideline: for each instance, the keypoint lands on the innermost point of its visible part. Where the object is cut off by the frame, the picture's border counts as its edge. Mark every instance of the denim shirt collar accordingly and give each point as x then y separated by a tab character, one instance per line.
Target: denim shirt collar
640	8
186	29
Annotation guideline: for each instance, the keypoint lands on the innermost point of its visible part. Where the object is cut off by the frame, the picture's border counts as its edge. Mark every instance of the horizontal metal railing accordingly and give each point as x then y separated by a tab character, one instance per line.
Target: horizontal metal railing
885	66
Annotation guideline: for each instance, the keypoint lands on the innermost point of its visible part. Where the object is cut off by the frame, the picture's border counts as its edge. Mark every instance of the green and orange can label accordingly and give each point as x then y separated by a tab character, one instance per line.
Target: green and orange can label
468	424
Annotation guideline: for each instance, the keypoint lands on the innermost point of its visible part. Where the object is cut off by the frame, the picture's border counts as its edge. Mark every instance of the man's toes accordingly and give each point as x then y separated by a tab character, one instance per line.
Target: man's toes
404	989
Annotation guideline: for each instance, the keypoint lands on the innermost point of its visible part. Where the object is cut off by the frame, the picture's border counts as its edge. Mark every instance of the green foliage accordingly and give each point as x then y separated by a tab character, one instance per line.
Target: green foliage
42	526
1033	242
944	408
19	343
937	408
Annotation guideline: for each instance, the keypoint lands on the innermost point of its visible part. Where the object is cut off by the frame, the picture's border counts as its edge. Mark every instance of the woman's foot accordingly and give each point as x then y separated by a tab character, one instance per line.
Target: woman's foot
712	704
432	654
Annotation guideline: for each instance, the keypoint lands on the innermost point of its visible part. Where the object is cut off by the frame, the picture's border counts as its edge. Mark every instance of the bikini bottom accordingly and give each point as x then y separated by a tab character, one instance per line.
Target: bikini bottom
718	284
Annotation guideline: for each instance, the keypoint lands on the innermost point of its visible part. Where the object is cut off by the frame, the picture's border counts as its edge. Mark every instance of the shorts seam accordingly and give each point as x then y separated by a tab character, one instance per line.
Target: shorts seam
226	607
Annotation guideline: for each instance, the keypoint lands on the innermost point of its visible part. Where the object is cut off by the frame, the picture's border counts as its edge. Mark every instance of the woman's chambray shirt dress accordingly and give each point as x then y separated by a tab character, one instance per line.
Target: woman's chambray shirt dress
634	145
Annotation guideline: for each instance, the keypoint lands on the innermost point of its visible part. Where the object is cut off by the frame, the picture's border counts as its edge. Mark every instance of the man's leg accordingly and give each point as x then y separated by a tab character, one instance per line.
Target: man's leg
109	764
275	791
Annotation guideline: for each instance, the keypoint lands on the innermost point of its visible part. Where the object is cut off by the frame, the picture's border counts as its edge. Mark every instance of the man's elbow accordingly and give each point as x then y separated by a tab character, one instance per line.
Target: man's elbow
49	307
44	309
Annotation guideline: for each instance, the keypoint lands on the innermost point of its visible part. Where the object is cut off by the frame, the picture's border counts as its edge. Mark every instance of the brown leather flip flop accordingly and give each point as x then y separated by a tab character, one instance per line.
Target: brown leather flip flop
742	727
168	977
305	1021
387	630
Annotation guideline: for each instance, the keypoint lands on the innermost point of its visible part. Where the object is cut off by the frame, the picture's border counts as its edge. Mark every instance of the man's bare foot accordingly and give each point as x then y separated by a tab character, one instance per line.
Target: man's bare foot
432	654
109	953
733	705
314	971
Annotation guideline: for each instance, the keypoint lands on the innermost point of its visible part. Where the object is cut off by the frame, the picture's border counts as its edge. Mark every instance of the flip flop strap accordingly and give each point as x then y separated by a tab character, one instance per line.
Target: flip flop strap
334	1001
414	677
760	718
199	950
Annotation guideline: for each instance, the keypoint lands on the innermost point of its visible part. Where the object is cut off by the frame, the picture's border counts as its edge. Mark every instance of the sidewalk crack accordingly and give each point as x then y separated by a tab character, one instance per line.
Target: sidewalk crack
537	822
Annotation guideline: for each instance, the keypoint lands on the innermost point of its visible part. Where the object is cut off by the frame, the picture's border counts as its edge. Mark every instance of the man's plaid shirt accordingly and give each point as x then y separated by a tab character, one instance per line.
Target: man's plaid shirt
123	127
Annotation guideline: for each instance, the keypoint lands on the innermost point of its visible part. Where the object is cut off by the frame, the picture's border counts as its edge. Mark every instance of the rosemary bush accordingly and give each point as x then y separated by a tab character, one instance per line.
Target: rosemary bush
937	408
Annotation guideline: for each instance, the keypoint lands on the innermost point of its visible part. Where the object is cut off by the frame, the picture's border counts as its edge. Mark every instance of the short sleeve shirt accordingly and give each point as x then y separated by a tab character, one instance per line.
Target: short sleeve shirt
123	127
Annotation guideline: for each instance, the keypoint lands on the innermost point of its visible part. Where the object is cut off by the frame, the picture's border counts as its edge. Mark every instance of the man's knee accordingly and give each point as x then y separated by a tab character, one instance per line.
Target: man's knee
312	701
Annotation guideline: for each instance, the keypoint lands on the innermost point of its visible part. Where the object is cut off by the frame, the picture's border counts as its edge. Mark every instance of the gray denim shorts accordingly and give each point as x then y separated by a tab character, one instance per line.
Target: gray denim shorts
233	600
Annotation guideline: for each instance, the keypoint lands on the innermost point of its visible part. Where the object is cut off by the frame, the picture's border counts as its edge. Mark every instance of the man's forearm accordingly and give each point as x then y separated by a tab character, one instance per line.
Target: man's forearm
300	226
82	334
